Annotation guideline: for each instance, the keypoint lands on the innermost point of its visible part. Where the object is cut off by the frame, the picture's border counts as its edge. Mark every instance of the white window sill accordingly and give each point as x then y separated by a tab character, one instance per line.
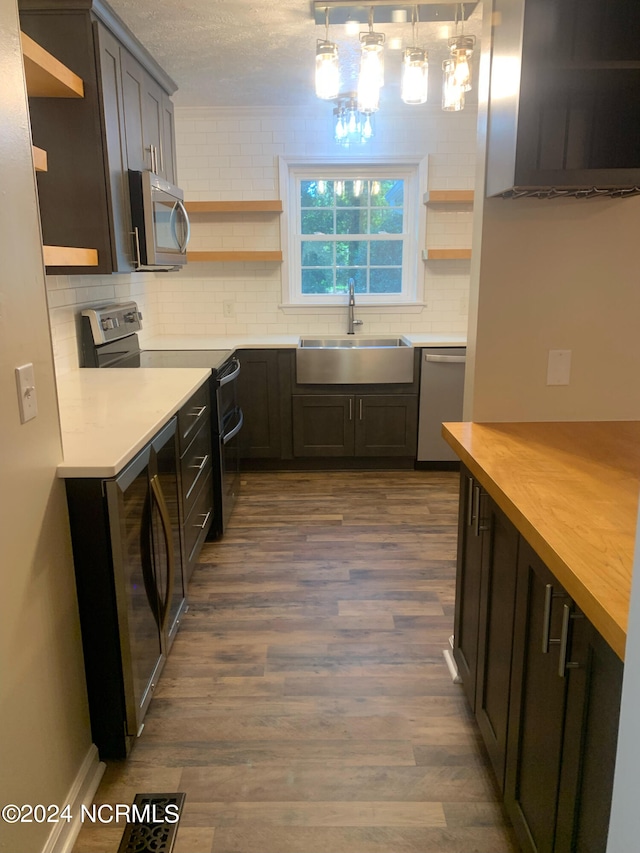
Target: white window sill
388	307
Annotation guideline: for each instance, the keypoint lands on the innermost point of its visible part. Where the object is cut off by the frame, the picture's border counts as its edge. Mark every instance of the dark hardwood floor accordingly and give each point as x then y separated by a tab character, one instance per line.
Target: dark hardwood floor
306	706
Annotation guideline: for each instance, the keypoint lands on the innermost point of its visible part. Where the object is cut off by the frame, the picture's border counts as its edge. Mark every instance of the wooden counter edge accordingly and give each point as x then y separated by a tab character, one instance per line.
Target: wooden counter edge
593	609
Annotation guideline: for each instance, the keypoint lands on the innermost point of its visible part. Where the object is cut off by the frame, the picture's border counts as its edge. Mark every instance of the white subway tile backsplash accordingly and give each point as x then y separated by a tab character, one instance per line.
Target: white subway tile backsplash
226	154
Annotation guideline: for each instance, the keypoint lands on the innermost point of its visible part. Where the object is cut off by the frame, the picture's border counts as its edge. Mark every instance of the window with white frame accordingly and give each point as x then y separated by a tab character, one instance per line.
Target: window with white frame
354	223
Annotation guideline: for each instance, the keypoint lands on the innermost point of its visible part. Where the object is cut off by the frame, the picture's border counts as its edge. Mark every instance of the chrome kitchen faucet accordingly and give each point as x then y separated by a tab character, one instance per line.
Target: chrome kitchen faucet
352	304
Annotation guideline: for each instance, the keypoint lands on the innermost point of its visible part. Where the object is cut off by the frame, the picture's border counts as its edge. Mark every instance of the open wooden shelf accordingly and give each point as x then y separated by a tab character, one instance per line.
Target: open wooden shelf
46	76
66	256
238	255
448	197
446	254
261	206
39	159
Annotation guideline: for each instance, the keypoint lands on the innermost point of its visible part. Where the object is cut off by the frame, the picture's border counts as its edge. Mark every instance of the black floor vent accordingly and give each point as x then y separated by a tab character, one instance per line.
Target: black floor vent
154	824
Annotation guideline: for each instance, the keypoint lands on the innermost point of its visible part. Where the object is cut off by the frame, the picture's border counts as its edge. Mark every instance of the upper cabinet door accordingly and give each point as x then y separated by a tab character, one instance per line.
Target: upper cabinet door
168	146
110	79
152	123
134	101
148	116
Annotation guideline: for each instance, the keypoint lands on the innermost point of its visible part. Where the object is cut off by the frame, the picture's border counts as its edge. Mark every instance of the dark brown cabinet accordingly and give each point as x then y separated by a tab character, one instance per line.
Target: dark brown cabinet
563	719
361	425
148	120
573	120
544	686
495	630
195	471
92	141
468	578
259	398
484	613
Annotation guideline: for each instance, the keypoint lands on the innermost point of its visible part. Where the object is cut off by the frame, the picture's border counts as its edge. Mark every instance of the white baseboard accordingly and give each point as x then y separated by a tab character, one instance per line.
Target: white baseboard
63	835
451	666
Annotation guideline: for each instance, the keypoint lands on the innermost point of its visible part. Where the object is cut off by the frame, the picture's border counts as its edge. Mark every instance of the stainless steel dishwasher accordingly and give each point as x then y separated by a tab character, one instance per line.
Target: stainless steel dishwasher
441	392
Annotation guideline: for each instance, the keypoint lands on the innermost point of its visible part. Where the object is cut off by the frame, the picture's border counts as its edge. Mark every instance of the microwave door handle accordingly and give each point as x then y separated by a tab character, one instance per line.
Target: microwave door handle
184	244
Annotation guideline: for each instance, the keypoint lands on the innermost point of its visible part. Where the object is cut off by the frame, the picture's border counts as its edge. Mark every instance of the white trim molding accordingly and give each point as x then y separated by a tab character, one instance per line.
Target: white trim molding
413	169
63	835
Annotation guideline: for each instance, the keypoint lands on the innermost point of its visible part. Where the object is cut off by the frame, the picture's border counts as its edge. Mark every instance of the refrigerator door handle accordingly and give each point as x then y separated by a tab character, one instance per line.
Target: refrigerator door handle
165	605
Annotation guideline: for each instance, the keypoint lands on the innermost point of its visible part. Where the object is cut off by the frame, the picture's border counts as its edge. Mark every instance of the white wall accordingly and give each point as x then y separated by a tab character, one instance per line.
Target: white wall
233	154
67	295
226	154
44	725
557	274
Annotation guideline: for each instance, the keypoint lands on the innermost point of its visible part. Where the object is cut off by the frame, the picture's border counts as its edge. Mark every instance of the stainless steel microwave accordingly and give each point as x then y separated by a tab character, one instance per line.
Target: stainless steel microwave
161	228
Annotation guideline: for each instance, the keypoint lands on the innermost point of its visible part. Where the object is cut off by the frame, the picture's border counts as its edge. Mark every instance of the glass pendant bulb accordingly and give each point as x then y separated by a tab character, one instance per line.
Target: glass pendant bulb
371	77
415	76
327	70
452	92
340	130
461	52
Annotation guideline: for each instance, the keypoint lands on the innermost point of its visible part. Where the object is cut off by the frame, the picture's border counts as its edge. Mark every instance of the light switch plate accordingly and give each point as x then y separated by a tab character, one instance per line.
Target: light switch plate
559	367
27	400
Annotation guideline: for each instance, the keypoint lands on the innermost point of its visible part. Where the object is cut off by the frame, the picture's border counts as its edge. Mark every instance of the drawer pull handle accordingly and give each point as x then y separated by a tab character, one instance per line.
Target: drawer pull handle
202	463
197	477
204	523
564	664
547	641
196	413
479	494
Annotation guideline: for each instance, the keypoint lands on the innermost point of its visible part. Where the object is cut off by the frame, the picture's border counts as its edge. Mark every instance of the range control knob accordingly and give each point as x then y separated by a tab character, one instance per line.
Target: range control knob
107	324
131	317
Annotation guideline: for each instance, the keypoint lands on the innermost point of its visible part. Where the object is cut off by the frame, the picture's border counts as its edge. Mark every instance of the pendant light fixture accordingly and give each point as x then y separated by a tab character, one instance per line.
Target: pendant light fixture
371	77
415	69
351	125
327	70
461	48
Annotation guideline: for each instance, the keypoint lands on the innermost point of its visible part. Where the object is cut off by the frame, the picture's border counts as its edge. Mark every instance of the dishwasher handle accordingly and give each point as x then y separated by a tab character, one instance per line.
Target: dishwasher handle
447	359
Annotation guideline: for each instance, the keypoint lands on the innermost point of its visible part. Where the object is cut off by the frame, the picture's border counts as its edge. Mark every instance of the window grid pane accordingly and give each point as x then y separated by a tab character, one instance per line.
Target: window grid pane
354	217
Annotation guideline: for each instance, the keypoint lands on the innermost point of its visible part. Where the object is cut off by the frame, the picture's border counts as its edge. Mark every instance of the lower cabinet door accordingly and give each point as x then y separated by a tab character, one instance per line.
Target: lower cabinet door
590	743
468	577
323	425
537	706
386	425
495	639
258	397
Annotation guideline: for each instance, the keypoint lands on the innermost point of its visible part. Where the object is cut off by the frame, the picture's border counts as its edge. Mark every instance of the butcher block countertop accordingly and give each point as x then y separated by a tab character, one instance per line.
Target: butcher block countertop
571	489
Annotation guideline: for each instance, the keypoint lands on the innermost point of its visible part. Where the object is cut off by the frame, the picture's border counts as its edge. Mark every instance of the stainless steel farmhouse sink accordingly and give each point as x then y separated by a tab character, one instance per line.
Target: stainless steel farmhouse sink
354	361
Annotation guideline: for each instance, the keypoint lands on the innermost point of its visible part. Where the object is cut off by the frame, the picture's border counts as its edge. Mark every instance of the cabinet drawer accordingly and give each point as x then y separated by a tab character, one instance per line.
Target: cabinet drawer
198	522
195	465
192	415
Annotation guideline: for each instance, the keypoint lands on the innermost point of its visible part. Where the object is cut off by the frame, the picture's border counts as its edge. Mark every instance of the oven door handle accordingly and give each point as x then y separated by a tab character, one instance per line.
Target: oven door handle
230	376
228	436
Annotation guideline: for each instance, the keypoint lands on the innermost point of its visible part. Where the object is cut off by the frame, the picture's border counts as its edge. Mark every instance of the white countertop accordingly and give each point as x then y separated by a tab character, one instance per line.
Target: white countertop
234	342
108	416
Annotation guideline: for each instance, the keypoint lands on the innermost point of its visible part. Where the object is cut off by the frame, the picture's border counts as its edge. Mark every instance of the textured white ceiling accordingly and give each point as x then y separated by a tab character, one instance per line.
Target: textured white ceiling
251	53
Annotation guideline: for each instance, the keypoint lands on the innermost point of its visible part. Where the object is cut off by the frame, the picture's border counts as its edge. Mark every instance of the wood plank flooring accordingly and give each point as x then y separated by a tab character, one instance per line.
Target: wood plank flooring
306	706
